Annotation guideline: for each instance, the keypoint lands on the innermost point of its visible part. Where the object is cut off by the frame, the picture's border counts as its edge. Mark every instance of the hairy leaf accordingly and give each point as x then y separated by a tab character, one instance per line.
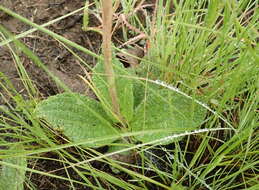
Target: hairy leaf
140	89
124	88
12	178
168	111
79	117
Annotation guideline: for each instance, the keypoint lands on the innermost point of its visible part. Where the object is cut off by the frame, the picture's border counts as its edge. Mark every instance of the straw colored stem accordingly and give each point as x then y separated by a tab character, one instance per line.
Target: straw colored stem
107	52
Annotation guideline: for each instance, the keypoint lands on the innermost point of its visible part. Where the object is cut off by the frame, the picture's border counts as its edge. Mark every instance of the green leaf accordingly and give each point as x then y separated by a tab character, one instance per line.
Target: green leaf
12	178
120	145
175	186
124	88
140	89
79	117
166	110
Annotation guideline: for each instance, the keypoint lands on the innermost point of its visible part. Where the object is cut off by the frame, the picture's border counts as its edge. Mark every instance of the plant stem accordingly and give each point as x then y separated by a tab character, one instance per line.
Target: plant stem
107	52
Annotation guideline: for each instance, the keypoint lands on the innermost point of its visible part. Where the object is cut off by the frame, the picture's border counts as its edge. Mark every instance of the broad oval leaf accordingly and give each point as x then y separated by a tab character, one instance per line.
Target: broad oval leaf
13	178
79	117
124	88
140	89
167	111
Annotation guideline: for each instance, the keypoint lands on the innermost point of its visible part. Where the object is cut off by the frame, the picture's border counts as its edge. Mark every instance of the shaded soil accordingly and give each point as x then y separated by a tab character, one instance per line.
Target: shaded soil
58	59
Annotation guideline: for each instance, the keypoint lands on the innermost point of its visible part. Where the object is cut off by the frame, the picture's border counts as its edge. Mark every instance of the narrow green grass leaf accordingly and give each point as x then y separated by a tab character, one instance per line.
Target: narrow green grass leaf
85	16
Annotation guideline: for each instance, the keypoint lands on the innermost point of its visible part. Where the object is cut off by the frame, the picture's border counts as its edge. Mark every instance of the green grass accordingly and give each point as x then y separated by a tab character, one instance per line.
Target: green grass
206	49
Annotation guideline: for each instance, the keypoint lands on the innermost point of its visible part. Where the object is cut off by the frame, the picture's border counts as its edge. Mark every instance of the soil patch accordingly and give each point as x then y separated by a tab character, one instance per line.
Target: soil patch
56	57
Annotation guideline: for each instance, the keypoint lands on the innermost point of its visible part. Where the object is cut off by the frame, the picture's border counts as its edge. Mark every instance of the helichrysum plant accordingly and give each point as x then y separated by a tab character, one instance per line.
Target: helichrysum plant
123	105
144	108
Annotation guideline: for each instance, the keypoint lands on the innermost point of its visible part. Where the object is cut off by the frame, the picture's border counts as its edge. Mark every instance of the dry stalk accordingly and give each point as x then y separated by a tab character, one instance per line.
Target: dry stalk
107	52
